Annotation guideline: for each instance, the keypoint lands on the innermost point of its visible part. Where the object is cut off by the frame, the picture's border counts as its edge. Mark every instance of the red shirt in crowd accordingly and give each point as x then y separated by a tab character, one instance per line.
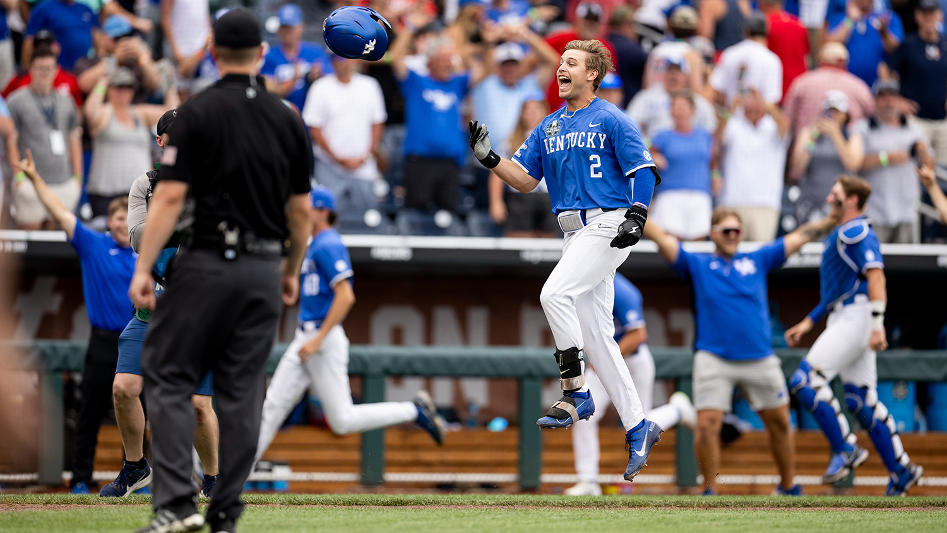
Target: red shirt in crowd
788	40
64	82
558	41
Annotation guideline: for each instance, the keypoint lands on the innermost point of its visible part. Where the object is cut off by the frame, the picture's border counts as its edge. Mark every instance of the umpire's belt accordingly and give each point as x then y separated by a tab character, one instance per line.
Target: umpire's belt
577	219
262	247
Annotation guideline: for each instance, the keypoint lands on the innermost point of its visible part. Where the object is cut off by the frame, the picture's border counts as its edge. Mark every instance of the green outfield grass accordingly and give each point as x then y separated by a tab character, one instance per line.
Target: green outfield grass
498	513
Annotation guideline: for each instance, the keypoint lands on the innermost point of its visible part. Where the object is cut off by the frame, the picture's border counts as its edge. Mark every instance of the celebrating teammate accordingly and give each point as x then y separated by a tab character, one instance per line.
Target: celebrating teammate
126	389
601	178
318	357
854	294
631	334
733	336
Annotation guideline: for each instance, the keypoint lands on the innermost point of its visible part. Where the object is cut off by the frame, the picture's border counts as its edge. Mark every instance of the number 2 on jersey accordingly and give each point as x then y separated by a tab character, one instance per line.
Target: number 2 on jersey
596	163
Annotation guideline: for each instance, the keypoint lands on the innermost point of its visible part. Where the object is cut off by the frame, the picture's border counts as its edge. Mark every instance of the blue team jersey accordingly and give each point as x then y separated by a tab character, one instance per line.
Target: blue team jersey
278	67
865	46
327	263
71	23
730	294
627	312
433	120
107	270
688	156
588	159
850	251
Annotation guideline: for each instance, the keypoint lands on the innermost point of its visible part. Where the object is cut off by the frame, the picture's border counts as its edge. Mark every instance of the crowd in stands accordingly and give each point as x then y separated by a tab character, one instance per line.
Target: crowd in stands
754	105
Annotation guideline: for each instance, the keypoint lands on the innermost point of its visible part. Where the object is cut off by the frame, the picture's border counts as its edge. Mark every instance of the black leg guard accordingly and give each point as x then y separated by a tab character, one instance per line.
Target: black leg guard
571	377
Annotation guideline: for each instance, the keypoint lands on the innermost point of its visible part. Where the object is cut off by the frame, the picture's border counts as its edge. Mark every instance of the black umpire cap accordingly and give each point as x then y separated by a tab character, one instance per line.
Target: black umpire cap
238	28
164	123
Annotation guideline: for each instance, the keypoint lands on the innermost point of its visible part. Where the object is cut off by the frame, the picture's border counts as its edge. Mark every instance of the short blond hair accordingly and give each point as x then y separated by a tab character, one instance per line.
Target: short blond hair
118	204
722	213
598	58
855	186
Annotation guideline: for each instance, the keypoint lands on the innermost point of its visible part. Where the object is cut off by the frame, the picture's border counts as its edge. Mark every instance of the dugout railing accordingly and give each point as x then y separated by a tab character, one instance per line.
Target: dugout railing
530	366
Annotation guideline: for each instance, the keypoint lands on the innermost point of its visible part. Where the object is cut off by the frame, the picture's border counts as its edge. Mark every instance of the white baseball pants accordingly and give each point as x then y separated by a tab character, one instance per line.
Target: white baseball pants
326	373
842	349
585	443
578	298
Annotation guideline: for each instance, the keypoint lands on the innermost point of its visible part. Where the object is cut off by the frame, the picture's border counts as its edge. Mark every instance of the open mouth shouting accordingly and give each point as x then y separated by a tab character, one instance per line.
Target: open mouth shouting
565	83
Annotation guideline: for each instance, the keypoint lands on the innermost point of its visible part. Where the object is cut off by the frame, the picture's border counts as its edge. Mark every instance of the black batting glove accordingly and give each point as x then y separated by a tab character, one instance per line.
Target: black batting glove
480	144
629	232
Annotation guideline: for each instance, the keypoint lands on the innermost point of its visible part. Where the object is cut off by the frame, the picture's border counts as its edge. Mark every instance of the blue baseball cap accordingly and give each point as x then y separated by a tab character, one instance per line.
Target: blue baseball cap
290	15
117	26
322	198
611	81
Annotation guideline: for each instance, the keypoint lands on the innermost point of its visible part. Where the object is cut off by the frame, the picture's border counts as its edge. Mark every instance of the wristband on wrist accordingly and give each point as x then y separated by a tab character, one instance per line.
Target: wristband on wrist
19	176
883	158
848	23
491	161
715	174
99	89
878	314
811	146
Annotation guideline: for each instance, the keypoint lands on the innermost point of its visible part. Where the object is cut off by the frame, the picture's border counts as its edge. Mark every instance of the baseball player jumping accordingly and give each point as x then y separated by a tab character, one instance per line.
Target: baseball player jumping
601	178
318	357
854	295
630	334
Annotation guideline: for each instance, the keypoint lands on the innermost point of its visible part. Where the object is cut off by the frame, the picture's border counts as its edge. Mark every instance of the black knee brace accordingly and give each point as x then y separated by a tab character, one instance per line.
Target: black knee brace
571	377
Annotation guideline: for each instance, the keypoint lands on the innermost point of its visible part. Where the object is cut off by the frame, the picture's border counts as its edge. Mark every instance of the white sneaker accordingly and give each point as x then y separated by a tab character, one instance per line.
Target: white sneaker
688	411
584	488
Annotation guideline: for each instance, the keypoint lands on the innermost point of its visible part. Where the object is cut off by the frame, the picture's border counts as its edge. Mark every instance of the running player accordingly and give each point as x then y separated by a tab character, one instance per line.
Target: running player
601	178
318	357
631	334
734	345
126	389
854	295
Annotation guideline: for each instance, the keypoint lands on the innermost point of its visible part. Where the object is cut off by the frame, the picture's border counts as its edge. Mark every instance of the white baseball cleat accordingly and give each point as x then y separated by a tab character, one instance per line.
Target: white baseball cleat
687	409
584	488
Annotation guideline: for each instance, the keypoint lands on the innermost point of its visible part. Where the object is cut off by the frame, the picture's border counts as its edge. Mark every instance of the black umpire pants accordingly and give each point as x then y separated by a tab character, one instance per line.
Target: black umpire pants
215	315
98	372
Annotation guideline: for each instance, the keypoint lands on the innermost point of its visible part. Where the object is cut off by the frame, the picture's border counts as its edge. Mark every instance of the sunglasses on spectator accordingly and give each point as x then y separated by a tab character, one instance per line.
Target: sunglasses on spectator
123	86
729	231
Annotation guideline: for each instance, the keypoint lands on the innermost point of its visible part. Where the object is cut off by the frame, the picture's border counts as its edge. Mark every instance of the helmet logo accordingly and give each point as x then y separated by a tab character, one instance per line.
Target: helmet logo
369	47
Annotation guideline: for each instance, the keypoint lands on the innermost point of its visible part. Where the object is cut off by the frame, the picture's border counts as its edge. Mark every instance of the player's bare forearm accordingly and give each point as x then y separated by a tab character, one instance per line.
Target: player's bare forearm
342	303
877	285
514	176
808	233
300	226
163	212
668	246
630	341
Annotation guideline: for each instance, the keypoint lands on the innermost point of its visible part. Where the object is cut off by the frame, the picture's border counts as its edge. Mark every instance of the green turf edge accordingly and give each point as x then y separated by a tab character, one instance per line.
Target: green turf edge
506	500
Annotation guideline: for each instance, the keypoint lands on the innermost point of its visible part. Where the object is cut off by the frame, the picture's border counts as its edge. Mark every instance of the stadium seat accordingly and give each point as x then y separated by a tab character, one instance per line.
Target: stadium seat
359	224
479	224
413	222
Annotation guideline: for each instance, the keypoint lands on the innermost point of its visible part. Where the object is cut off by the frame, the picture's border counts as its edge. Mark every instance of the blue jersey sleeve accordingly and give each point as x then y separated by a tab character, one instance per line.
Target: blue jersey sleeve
895	26
816	314
462	85
529	155
270	63
866	254
683	264
333	263
37	21
628	308
83	239
771	256
630	150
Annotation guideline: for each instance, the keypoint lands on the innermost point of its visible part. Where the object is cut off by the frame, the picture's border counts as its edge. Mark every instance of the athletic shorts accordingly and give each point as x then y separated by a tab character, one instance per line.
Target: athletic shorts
762	380
129	355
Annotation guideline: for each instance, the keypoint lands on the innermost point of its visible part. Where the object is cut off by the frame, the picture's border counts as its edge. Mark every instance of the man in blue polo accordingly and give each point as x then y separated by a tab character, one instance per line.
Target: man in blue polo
294	64
73	23
869	34
108	263
733	341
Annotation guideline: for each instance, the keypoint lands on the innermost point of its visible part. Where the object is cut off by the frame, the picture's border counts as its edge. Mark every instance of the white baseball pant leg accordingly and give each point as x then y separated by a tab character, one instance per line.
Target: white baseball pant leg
577	299
843	350
585	442
286	389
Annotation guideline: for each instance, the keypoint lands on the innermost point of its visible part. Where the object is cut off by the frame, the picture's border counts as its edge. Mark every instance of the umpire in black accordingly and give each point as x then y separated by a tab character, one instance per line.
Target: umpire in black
239	158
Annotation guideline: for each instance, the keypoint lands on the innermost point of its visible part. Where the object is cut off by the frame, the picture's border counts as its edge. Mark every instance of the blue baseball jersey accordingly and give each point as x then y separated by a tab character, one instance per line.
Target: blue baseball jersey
107	270
850	251
71	23
627	312
732	292
327	263
279	67
588	158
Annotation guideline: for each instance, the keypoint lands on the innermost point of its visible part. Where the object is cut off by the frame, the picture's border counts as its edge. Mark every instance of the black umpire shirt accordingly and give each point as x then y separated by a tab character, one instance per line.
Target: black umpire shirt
242	153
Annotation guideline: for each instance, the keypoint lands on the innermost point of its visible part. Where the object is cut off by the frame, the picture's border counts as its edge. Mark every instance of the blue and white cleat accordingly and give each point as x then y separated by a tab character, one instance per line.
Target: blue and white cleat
428	419
80	488
842	464
901	483
570	408
796	490
638	442
128	481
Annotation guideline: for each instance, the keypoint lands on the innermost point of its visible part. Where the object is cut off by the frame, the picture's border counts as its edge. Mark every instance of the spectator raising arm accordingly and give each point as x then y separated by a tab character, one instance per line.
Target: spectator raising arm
929	179
668	246
62	216
808	233
114	8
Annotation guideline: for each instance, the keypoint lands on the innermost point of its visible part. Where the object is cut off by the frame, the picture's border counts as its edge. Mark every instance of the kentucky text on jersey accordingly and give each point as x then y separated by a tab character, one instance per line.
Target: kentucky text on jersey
588	157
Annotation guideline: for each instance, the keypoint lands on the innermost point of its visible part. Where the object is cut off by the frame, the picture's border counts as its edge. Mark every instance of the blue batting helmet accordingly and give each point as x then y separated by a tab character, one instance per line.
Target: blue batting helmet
356	33
322	198
611	81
